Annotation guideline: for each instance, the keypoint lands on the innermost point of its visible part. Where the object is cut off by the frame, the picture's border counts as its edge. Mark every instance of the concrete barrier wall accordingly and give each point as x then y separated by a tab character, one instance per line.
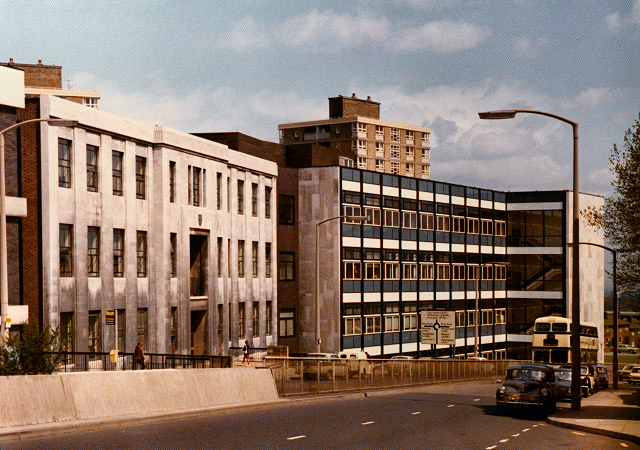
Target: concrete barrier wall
38	399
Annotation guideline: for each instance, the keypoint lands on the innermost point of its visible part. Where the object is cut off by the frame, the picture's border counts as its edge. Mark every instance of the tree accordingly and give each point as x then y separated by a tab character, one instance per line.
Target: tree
34	352
620	216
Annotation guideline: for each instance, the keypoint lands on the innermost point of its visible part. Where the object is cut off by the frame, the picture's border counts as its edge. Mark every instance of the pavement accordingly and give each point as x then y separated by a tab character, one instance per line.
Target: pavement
609	412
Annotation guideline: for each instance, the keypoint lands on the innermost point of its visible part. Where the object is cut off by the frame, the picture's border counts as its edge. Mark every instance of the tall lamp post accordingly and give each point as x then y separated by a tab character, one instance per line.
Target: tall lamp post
353	218
476	338
575	299
4	281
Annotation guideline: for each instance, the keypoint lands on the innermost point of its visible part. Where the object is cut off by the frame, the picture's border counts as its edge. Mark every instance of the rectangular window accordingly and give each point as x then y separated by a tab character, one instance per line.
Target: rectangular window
241	332
501	317
487	317
372	324
425	139
425	170
442	223
195	186
361	162
66	333
254	199
458	272
410	322
352	270
457	224
141	168
425	154
254	259
256	318
501	272
286	261
95	344
471	318
286	323
116	172
409	219
409	271
64	163
460	322
409	153
174	329
268	318
379	132
122	329
487	272
350	210
173	242
267	202
372	270
473	226
93	252
487	227
92	168
240	259
473	271
352	326
142	326
379	165
219	257
359	127
267	260
392	323
501	228
379	149
391	218
426	221
409	169
373	216
172	181
219	190
287	209
240	197
118	252
141	250
391	271
426	271
66	250
443	271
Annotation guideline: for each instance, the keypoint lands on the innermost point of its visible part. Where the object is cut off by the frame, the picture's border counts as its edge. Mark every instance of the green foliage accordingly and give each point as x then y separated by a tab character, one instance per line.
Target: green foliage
33	352
620	216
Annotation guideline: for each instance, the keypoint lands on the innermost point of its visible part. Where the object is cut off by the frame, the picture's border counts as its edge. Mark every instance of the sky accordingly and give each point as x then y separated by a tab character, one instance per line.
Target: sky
214	66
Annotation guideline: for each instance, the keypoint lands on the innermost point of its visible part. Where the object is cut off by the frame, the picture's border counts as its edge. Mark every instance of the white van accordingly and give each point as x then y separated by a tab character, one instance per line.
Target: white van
357	362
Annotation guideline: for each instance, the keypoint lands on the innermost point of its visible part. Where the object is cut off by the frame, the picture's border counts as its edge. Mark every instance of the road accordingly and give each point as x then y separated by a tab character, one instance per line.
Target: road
453	416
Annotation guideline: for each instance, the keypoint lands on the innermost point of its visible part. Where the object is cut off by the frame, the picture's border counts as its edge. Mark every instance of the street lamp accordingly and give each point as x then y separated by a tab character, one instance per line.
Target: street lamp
476	339
352	218
4	282
575	300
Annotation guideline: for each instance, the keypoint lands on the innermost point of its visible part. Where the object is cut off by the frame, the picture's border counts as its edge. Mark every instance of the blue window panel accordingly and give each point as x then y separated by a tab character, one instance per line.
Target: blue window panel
473	239
371	232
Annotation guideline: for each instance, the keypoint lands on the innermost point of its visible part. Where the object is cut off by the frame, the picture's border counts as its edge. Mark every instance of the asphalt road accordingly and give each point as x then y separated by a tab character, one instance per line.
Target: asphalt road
453	416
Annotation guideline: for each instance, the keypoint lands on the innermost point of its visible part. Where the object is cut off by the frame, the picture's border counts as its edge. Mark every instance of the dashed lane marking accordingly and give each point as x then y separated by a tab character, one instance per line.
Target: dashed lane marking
525	430
415	413
503	441
451	406
367	423
579	434
492	447
476	399
515	435
293	438
623	444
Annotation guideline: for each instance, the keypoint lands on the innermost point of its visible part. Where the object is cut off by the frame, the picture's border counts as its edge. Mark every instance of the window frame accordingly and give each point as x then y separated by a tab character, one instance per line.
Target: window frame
118	253
116	173
65	148
141	171
66	250
93	252
92	168
286	268
141	254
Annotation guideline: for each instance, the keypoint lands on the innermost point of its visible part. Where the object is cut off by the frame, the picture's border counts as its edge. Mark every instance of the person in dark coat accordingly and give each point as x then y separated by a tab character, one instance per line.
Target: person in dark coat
138	356
245	351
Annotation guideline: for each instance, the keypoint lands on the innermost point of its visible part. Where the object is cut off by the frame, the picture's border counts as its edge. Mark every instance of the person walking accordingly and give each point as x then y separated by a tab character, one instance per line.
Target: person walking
245	351
138	356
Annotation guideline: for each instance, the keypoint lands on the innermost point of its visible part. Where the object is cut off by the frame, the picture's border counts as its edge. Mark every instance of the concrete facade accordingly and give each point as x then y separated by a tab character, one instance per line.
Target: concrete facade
192	296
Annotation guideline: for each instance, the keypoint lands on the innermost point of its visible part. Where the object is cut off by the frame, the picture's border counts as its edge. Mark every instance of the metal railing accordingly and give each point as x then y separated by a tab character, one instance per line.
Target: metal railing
300	376
89	361
255	353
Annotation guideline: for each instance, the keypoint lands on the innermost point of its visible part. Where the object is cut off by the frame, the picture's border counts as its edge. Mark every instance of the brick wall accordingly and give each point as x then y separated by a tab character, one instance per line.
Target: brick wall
352	106
39	75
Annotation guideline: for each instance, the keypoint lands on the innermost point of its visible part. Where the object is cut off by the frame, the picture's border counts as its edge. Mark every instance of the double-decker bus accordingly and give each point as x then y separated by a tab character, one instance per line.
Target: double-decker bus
552	341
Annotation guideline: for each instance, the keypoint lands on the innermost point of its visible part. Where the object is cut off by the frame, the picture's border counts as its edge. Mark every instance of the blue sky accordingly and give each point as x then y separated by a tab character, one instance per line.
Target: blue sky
248	66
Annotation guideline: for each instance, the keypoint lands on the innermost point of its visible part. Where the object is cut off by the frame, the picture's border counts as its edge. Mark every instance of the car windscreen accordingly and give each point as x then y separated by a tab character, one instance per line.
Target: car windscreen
525	374
563	376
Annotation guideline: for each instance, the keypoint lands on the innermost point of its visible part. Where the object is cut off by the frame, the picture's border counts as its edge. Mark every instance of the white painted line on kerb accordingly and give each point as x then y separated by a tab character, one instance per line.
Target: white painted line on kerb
293	438
415	413
367	423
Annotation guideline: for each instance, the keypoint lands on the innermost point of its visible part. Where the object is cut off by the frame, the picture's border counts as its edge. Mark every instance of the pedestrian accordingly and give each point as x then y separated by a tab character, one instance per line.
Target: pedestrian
245	351
138	356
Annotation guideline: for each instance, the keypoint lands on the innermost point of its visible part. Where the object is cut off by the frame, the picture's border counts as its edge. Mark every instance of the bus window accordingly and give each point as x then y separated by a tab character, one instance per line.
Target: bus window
543	326
559	327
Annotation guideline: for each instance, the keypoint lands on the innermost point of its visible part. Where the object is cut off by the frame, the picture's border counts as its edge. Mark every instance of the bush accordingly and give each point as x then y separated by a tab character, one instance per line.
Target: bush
33	352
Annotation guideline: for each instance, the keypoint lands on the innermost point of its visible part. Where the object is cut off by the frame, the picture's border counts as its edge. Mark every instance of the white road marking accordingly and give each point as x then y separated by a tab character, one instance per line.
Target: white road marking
366	423
293	438
504	440
414	413
451	406
579	434
623	444
515	435
525	430
476	399
492	447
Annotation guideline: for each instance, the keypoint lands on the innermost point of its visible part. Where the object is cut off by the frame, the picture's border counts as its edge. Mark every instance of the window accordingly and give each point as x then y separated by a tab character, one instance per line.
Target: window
219	257
410	316
287	209
500	272
361	163
379	132
359	146
409	271
501	317
409	153
174	329
352	326
473	226
371	270
473	272
395	151
93	252
287	323
442	223
92	168
425	138
256	318
350	210
460	322
195	186
425	170
426	271
458	271
122	328
66	333
172	181
254	199
173	242
141	167
395	135
409	219
241	332
487	227
379	165
409	168
409	135
64	163
487	317
391	271
219	190
391	323
142	327
426	221
443	271
501	228
141	250
391	218
66	250
95	344
395	167
373	216
268	318
267	260
286	266
267	202
379	149
352	270
240	259
471	318
457	224
118	252
425	153
359	127
487	272
116	171
254	259
90	102
240	197
372	324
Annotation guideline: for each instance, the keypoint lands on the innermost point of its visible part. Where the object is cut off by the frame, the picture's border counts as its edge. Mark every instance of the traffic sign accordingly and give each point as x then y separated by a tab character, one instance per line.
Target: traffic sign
110	317
438	327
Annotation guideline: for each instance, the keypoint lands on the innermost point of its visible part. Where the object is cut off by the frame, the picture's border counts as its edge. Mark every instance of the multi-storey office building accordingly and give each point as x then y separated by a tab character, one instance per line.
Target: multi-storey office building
354	136
432	245
173	232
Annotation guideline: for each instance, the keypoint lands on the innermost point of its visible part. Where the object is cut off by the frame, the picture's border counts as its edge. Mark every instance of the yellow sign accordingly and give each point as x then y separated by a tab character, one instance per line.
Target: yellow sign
110	317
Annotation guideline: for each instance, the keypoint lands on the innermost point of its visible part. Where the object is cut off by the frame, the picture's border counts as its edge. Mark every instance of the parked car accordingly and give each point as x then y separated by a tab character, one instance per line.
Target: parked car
563	384
626	348
601	376
327	365
357	363
397	366
634	375
623	374
528	385
588	375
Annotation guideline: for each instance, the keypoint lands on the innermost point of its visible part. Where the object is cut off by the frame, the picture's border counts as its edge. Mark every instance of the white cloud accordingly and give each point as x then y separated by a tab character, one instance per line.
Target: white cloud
245	35
530	48
442	36
592	98
613	22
